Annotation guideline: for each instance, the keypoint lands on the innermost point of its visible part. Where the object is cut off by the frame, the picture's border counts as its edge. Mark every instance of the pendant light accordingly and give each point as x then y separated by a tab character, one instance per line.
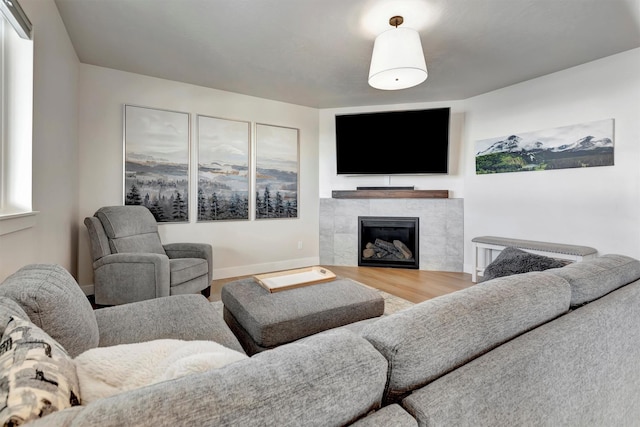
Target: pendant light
397	61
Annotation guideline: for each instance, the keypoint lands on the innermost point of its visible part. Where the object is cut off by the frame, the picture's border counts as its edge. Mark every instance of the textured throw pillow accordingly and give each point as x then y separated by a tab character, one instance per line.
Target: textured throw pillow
515	261
37	376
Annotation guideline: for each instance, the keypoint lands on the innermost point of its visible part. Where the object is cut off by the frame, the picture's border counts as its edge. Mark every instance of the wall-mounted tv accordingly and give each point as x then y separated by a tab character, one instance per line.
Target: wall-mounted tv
409	142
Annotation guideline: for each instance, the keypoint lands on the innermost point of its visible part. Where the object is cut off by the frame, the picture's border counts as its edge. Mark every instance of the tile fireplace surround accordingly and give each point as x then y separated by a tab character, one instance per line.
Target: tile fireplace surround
441	229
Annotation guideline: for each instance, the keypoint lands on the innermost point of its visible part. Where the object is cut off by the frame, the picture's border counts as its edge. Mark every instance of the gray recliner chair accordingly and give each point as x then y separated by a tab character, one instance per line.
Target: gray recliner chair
131	264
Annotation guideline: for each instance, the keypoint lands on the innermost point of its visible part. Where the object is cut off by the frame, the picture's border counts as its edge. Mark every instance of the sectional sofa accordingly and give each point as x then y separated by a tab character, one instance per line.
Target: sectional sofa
553	348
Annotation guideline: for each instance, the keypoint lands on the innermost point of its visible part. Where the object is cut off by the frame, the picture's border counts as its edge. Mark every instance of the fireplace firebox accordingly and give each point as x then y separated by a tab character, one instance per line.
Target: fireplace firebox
388	241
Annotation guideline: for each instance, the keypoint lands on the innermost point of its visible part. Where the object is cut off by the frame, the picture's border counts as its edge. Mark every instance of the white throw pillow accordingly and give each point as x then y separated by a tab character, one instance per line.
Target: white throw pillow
105	371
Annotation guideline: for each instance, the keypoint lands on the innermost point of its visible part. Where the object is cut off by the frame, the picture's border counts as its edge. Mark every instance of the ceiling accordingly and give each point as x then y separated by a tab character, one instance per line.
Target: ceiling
316	53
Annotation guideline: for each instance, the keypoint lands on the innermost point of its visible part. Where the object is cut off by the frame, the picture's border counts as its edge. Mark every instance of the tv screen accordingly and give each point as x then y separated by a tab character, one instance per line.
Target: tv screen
395	142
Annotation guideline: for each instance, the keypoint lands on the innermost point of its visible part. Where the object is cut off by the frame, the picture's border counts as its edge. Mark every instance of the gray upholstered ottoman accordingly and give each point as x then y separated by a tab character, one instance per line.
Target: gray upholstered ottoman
262	320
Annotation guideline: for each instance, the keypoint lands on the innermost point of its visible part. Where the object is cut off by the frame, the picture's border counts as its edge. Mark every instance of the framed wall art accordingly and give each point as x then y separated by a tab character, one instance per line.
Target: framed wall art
277	169
156	161
223	169
577	146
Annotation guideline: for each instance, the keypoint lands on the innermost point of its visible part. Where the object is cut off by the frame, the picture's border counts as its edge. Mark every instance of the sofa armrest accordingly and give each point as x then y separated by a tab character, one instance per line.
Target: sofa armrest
191	250
186	317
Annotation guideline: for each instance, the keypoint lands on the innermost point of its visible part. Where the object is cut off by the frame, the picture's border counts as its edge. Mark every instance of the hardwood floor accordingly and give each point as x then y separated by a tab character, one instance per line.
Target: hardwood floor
413	285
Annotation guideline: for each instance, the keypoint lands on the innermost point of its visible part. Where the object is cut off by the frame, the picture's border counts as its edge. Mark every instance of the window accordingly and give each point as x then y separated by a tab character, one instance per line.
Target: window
16	106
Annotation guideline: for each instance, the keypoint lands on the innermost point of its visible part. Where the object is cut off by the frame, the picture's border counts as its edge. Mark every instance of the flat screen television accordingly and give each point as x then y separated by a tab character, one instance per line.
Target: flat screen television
411	142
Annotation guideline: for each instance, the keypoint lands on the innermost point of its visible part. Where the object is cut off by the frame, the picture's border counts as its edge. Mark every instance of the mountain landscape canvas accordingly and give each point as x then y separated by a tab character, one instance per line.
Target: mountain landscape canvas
223	169
157	162
576	146
276	172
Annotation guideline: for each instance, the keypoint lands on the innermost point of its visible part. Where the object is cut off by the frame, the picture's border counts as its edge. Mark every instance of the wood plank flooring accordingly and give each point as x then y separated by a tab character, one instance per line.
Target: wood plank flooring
413	285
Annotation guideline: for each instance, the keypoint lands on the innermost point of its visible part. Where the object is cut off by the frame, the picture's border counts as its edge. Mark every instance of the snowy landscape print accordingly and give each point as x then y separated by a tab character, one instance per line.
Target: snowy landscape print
157	162
276	172
577	146
223	166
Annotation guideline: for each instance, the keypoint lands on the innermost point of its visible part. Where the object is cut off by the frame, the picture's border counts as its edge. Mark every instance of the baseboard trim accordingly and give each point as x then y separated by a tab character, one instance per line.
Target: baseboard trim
467	268
245	270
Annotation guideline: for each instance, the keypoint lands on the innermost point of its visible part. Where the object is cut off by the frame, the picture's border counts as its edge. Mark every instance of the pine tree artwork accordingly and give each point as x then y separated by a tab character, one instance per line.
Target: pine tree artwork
223	169
157	162
277	164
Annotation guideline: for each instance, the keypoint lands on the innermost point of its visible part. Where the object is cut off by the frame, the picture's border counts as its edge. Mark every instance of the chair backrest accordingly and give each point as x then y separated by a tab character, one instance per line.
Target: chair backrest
130	229
97	237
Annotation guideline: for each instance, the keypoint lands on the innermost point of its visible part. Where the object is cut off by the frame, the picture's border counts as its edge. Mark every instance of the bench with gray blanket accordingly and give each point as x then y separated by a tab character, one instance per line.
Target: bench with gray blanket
487	248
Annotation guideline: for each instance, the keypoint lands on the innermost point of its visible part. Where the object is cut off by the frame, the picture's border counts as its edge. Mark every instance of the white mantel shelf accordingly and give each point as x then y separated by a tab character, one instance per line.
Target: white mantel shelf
390	194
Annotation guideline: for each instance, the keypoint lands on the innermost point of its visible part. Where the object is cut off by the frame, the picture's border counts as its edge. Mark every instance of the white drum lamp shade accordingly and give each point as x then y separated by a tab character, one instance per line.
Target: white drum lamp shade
397	61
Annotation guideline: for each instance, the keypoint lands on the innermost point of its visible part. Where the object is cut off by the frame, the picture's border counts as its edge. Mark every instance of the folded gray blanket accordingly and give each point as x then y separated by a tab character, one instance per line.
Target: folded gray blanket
516	261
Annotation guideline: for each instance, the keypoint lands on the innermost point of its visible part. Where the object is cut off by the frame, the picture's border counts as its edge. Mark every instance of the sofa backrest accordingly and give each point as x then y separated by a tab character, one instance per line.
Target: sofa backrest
329	379
51	298
428	340
596	277
578	370
130	229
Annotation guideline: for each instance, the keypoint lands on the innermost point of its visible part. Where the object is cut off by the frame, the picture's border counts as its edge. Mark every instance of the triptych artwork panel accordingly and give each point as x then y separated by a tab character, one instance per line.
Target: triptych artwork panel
156	160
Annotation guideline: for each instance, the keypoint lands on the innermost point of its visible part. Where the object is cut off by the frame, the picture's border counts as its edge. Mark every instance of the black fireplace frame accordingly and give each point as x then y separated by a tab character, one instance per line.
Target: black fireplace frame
390	222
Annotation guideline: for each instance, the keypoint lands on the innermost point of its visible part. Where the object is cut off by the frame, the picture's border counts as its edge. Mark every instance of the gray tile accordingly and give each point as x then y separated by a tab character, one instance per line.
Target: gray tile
346	224
441	229
389	207
345	249
352	207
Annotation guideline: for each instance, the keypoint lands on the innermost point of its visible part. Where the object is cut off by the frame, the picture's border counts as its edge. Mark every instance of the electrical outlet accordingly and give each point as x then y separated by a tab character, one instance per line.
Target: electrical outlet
299	244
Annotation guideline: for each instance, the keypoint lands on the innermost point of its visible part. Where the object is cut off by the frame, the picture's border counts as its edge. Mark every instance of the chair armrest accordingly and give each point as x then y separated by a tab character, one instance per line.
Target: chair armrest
188	250
186	317
132	258
127	277
191	250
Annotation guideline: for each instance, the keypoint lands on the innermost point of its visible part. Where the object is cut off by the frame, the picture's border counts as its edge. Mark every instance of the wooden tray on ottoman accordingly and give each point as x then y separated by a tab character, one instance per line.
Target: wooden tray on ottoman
290	279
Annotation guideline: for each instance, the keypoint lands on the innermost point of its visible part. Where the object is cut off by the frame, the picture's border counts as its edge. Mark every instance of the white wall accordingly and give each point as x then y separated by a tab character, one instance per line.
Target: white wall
77	160
55	149
597	206
454	181
239	247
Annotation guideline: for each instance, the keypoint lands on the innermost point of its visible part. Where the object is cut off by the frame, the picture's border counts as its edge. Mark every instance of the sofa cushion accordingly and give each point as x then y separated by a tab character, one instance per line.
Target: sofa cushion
53	301
390	415
596	277
516	261
37	375
426	341
165	318
331	379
